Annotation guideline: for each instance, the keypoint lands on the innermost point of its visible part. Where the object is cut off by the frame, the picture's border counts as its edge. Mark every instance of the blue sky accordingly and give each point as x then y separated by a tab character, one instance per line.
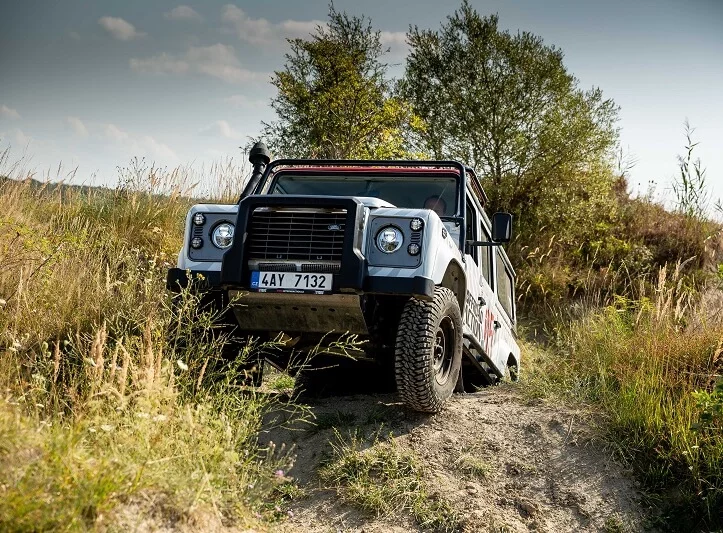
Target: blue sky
90	84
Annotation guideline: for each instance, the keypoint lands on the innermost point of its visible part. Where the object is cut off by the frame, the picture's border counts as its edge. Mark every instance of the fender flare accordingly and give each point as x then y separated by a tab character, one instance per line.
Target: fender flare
455	280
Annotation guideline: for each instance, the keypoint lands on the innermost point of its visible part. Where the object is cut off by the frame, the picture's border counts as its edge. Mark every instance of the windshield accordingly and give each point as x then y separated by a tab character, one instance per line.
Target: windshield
431	192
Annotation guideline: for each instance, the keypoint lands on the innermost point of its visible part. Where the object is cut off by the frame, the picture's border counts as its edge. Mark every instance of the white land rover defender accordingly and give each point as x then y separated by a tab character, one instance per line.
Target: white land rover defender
400	253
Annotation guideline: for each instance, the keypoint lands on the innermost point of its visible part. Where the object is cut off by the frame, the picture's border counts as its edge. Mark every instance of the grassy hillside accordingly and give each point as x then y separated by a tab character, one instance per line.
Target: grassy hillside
112	404
115	406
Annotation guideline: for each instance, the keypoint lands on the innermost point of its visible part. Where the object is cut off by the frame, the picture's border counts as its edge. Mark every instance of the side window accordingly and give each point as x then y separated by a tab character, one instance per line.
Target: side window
470	231
485	261
505	288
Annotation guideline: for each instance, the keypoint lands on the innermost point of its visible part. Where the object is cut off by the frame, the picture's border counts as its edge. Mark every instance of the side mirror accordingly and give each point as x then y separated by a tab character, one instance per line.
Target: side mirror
501	227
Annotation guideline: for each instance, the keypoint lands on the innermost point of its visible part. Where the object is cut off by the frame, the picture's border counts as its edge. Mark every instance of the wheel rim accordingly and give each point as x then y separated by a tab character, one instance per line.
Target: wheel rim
443	351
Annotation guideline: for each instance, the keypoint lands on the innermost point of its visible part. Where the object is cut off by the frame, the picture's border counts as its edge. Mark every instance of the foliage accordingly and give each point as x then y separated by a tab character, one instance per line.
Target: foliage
690	187
507	105
115	410
333	98
651	363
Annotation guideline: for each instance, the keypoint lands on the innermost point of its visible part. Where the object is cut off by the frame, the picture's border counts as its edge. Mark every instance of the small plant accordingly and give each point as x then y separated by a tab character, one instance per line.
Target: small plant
690	187
711	408
381	478
472	466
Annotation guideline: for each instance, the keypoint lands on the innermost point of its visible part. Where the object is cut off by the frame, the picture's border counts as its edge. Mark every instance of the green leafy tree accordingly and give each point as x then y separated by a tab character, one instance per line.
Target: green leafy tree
334	100
506	104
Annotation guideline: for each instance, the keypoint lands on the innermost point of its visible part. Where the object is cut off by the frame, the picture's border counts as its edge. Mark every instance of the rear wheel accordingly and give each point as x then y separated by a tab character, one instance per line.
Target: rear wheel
428	351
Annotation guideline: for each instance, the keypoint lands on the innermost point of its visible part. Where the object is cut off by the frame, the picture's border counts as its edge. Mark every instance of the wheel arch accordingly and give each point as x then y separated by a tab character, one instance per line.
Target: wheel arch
455	280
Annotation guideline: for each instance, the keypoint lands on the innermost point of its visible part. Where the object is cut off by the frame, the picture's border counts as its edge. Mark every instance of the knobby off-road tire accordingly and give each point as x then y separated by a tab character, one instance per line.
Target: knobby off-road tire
428	352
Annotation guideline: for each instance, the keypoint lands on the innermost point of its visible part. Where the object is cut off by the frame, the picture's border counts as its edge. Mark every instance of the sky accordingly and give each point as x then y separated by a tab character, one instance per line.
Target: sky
91	84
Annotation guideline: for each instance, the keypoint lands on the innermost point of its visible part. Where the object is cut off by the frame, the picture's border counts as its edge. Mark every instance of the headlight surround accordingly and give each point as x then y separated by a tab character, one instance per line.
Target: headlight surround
389	239
222	236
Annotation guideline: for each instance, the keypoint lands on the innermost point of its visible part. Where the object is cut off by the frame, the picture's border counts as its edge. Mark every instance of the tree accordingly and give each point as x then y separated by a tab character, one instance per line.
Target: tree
507	105
333	98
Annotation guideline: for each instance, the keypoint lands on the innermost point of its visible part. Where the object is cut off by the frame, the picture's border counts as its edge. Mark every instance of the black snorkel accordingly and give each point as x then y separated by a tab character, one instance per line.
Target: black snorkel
259	157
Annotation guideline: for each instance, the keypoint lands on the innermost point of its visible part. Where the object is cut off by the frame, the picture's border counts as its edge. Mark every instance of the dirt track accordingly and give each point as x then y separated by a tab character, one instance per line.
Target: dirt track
545	471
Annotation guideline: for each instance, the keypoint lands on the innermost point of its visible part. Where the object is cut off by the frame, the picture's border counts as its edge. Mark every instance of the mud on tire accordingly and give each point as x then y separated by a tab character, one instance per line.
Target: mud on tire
428	351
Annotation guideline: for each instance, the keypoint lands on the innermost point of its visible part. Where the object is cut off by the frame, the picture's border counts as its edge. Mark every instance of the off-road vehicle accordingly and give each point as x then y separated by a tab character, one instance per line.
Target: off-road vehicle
400	253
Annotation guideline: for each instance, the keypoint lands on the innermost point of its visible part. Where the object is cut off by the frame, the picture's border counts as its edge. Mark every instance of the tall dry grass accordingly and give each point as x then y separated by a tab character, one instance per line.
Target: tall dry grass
651	361
116	409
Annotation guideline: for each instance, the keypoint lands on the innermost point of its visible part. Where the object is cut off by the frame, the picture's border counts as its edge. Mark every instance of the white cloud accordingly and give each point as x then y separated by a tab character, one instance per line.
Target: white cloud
77	126
241	101
141	145
220	128
218	61
183	13
115	133
161	64
8	112
119	28
262	32
22	139
396	41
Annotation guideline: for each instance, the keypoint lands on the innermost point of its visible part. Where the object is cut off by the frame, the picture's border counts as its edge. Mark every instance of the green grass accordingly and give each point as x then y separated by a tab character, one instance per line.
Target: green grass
470	465
650	364
383	479
115	405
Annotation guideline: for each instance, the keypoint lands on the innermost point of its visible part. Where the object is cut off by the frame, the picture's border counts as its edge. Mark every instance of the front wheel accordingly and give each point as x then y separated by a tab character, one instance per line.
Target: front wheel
428	352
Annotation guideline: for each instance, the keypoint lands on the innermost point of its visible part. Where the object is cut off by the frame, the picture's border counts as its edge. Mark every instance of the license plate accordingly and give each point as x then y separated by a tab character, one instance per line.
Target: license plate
291	282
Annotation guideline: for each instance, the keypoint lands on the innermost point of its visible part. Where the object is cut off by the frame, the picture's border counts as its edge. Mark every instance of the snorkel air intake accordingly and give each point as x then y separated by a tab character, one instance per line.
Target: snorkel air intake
259	157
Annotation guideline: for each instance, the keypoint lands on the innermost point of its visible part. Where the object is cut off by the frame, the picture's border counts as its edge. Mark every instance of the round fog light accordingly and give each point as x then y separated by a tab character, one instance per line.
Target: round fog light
416	224
196	242
199	219
413	249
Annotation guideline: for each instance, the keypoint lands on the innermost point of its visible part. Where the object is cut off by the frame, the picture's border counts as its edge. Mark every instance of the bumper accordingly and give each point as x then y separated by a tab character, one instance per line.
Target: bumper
418	286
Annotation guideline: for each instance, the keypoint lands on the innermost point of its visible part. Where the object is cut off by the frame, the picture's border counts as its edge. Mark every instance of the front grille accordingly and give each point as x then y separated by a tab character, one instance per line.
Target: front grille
290	234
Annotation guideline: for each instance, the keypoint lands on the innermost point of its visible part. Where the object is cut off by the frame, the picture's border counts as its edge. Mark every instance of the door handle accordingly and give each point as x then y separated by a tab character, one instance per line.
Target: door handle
497	324
482	301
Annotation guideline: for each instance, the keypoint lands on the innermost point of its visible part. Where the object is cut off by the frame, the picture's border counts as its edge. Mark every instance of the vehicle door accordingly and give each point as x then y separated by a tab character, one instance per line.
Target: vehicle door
486	282
477	266
504	317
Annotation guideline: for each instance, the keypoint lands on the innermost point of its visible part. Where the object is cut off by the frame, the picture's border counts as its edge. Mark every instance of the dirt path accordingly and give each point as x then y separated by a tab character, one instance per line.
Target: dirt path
536	466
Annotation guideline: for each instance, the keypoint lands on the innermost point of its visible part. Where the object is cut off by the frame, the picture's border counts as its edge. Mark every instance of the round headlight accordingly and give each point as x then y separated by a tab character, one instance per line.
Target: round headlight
416	224
223	235
389	239
199	219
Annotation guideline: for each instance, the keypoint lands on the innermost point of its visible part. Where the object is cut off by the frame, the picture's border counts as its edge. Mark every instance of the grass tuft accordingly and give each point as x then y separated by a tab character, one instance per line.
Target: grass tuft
382	478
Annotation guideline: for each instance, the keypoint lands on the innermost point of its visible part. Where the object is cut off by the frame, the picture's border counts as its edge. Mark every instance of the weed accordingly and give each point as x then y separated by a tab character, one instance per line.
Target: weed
469	464
381	478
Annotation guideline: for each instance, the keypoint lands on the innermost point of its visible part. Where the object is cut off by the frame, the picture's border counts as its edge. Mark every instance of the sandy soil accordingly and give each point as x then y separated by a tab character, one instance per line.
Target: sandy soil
545	470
